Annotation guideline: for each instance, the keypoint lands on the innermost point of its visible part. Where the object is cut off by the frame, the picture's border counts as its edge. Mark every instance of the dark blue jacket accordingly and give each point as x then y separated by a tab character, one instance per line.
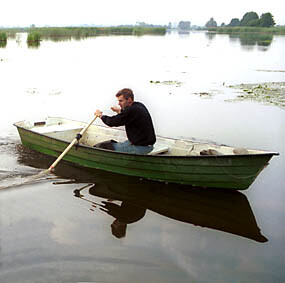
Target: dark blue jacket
138	124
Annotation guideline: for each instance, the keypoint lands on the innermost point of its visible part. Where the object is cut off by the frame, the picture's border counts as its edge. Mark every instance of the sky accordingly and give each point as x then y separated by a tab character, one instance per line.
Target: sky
120	12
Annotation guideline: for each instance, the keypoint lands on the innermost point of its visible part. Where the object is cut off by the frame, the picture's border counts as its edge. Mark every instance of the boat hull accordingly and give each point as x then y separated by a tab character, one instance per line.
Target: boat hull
224	171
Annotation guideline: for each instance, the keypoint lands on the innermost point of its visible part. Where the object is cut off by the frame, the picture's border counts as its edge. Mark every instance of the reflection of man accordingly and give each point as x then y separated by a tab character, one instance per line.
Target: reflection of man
125	214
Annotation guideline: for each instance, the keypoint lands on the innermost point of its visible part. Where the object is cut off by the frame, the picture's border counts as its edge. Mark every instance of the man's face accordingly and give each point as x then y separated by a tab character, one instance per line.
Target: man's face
124	102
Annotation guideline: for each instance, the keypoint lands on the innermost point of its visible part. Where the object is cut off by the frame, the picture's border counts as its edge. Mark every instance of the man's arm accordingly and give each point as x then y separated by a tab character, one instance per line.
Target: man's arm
116	109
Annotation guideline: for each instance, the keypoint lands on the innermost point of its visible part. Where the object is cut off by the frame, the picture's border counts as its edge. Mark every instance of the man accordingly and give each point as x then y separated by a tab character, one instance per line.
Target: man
137	121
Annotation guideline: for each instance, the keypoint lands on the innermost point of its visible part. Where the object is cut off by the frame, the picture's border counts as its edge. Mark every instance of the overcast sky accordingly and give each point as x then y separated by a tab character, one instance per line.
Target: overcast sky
117	12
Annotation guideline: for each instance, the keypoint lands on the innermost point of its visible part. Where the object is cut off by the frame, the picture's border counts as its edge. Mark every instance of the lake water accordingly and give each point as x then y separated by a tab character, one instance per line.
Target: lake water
49	234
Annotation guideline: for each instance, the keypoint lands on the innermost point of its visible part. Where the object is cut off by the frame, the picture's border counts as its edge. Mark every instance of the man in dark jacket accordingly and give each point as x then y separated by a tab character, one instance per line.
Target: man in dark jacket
137	121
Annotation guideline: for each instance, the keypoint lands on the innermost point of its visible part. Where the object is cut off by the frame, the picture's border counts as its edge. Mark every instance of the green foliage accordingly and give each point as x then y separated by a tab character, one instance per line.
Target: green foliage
59	33
251	19
3	39
33	37
146	30
248	18
237	30
3	36
266	20
211	23
234	22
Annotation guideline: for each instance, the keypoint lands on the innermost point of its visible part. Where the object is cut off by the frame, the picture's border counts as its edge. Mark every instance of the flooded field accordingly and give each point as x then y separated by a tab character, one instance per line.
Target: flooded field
74	226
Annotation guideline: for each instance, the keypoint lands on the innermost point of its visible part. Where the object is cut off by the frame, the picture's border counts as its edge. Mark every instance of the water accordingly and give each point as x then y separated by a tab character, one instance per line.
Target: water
49	234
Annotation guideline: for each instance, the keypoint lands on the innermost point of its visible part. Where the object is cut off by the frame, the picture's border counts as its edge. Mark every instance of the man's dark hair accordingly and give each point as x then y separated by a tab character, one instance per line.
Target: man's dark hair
126	92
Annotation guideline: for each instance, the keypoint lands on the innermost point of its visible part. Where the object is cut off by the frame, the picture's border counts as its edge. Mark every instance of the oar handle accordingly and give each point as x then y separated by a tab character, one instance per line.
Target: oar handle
71	144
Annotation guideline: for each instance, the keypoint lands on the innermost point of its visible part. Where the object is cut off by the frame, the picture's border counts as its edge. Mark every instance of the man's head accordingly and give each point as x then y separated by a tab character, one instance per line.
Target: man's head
125	97
119	228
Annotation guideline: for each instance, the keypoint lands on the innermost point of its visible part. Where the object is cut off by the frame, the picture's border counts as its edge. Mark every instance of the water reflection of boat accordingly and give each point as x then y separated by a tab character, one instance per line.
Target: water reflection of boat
227	211
223	211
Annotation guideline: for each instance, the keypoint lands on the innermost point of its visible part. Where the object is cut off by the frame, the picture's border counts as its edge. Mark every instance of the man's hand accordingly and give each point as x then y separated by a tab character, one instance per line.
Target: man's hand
116	109
112	209
98	113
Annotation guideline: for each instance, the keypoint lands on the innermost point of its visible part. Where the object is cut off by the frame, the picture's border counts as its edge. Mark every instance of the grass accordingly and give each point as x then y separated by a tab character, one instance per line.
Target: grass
3	36
233	30
11	32
64	33
33	37
83	32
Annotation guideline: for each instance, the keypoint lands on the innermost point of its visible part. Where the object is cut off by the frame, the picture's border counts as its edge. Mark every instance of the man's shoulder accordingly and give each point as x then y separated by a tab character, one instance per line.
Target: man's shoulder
138	104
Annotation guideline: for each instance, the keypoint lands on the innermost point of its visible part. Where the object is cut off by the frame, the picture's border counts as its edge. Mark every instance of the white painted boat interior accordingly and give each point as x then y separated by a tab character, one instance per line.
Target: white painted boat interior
65	129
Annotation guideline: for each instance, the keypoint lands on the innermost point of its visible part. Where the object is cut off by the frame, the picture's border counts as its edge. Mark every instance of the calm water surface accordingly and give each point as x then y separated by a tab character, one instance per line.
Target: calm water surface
55	231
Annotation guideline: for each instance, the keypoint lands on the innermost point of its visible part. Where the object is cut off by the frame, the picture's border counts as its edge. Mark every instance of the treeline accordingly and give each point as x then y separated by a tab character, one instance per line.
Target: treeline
249	19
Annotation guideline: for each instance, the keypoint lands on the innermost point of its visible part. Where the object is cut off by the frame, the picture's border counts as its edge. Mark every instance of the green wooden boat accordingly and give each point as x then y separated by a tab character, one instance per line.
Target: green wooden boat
188	162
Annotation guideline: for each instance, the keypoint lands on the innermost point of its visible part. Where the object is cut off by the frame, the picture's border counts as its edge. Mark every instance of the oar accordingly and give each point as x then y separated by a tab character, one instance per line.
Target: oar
34	178
76	139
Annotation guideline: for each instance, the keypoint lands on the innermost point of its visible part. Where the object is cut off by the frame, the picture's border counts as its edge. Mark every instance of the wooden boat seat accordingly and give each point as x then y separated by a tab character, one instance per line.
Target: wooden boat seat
56	128
157	149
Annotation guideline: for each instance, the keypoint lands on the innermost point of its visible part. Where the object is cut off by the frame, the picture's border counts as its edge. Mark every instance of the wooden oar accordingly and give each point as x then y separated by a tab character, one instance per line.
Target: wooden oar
76	139
36	177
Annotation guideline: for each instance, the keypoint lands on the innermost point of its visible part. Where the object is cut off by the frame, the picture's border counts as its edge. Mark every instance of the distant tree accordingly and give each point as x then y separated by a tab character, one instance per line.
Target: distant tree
211	23
185	25
169	25
223	24
254	23
248	18
266	20
234	22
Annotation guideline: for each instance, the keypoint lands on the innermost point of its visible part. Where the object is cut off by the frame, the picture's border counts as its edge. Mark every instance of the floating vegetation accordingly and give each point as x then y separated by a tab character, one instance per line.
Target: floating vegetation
272	71
32	91
204	94
175	83
55	92
269	93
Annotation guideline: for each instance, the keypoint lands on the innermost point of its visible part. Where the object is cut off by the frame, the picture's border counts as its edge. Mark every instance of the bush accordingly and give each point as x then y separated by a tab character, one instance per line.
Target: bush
3	36
34	37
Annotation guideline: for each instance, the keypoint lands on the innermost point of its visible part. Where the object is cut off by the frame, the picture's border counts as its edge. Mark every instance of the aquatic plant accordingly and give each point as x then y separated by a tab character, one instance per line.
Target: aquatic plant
239	29
3	36
149	30
269	93
33	37
83	32
175	83
11	32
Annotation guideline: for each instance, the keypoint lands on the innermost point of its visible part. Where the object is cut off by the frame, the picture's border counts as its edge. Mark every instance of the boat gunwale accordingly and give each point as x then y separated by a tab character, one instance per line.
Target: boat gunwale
265	153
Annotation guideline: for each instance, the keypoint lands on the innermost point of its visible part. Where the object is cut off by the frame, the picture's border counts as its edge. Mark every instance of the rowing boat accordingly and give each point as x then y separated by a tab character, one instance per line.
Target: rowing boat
189	162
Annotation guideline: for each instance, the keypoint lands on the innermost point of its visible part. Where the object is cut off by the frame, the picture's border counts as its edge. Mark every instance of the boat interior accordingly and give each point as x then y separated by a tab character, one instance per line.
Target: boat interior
65	129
